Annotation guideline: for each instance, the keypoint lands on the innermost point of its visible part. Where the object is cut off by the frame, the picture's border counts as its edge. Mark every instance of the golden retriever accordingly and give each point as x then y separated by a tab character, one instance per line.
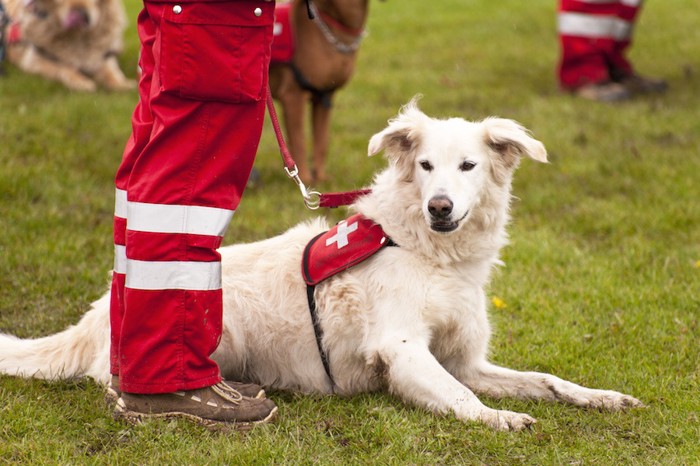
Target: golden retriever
75	42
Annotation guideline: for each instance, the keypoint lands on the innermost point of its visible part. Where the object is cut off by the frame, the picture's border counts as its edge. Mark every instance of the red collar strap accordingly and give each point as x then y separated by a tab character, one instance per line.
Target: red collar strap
341	199
335	24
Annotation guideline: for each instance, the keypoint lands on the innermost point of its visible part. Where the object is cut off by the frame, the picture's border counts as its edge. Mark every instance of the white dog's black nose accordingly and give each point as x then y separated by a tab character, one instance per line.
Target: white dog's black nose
440	207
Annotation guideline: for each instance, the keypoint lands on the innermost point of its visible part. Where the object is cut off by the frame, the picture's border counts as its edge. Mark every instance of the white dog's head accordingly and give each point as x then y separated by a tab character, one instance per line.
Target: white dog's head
451	161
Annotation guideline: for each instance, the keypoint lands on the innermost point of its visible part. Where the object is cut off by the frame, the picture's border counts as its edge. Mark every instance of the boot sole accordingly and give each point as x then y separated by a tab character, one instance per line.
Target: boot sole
136	418
111	396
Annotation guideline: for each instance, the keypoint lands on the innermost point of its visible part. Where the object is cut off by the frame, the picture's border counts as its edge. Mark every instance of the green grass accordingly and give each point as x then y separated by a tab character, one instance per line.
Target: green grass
601	286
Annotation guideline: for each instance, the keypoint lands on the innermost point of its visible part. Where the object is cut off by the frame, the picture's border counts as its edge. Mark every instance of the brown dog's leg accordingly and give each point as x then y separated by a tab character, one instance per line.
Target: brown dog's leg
294	106
32	62
321	126
111	76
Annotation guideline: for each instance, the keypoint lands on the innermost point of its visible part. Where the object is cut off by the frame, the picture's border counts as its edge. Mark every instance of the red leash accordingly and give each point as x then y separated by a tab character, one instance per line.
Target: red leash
312	199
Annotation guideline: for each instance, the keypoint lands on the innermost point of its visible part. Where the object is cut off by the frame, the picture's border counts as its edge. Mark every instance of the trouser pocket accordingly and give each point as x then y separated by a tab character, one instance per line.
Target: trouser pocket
218	51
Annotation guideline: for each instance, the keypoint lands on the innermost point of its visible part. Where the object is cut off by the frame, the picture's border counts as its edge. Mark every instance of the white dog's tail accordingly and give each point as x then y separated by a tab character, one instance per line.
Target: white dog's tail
80	350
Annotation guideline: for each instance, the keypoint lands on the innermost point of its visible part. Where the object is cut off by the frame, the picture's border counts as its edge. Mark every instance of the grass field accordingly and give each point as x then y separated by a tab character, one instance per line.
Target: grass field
601	286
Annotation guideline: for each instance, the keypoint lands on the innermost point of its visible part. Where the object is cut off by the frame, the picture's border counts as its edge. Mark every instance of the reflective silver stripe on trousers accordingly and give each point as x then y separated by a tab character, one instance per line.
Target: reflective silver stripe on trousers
163	218
120	203
176	219
591	26
119	259
194	276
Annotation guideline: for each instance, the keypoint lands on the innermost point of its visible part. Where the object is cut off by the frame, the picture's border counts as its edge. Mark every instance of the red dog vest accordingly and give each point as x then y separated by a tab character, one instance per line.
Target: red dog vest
282	39
346	244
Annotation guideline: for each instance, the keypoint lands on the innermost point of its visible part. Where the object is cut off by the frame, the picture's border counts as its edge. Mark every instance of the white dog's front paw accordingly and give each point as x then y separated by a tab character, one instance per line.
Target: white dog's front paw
609	400
506	420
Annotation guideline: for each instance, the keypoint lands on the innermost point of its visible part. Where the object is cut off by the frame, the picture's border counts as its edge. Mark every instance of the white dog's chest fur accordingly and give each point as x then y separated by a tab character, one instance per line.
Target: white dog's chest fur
430	307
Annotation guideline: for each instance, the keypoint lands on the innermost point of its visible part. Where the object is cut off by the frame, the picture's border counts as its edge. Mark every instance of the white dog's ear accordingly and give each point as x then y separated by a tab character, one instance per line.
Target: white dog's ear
510	139
403	133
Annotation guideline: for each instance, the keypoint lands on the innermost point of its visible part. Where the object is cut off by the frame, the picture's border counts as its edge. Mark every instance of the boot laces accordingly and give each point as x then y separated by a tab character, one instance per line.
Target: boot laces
227	393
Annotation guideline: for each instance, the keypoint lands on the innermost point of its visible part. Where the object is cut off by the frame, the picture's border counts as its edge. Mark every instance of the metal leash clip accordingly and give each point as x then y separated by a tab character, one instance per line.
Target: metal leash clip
312	199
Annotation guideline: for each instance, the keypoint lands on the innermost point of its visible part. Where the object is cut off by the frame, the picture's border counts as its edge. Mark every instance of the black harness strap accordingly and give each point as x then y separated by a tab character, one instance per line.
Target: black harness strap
318	331
308	10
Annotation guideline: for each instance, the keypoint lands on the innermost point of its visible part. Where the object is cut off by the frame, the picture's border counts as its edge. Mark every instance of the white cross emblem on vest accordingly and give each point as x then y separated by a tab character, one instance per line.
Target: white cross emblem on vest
341	237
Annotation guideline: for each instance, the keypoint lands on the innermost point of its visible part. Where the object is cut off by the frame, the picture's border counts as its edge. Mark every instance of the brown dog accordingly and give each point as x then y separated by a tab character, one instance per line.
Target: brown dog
323	61
75	42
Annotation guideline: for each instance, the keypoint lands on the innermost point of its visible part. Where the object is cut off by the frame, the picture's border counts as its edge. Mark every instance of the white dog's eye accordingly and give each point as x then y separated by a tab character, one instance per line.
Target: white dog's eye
425	165
467	166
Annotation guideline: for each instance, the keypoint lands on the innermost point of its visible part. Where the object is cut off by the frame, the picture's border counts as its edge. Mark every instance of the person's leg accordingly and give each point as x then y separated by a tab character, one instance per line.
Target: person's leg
584	29
627	12
622	70
588	30
142	123
207	104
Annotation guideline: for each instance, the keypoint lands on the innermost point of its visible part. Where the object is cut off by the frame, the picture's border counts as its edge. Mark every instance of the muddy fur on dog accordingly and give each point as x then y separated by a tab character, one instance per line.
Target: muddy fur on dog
411	319
75	42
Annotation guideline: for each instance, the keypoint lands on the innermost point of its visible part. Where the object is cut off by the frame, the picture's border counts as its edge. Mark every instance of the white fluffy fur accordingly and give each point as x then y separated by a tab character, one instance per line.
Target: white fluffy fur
412	319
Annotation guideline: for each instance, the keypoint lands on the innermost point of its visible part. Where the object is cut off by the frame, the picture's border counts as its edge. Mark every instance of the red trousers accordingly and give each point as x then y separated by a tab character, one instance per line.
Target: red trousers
195	132
594	36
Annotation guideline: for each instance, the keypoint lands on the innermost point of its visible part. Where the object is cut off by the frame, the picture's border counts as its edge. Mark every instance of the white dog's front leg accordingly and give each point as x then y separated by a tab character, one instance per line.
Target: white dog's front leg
416	376
500	382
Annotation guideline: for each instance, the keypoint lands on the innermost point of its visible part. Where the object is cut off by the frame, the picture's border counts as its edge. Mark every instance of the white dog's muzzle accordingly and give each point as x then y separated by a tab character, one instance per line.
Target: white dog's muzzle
440	210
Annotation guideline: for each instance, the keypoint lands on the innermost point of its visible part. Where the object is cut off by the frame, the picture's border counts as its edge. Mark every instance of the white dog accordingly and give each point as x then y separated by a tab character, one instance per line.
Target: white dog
411	319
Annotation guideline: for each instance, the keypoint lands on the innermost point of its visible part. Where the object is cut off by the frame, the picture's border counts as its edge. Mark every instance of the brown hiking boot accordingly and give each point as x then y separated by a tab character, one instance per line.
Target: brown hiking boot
249	390
209	406
644	84
604	92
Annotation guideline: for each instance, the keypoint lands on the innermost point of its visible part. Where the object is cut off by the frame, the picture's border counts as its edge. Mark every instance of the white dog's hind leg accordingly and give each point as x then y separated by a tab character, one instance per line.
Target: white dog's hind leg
416	376
500	382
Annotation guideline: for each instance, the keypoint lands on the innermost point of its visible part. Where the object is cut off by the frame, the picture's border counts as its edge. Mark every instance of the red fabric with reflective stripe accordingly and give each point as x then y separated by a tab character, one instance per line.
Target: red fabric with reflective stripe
195	132
587	60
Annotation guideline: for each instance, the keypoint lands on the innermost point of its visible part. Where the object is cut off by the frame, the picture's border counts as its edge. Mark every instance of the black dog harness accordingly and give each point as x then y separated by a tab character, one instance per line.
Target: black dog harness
325	96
